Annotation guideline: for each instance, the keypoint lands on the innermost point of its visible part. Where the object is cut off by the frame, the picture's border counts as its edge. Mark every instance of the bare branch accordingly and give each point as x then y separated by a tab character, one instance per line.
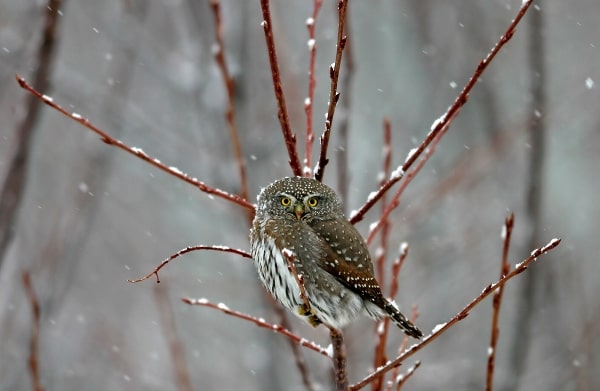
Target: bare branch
188	250
440	329
334	73
34	343
441	124
282	114
135	151
401	379
504	270
312	83
260	323
230	88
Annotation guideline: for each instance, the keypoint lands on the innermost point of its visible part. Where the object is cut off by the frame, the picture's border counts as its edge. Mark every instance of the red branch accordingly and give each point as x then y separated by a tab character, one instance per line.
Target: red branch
135	151
383	326
442	123
188	250
260	323
440	329
401	379
312	83
230	87
395	373
334	74
497	301
282	114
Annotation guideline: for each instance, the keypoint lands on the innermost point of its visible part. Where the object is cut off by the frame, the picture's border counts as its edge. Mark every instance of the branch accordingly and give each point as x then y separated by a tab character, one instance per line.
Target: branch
440	329
443	122
339	359
260	323
504	270
334	74
188	250
230	88
312	83
401	379
288	135
138	152
35	332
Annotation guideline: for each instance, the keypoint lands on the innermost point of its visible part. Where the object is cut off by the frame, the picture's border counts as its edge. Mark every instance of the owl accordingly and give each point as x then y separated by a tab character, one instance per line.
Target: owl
303	218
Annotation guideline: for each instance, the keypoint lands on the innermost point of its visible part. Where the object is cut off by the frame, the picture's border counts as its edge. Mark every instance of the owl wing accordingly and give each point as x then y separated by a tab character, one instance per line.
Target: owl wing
347	258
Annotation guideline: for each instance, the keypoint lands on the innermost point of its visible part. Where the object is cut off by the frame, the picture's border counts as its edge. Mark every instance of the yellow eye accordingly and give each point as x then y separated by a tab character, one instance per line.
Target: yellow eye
286	201
312	202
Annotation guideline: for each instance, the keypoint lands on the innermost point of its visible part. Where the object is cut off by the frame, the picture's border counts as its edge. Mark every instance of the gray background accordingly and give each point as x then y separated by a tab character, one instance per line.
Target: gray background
90	216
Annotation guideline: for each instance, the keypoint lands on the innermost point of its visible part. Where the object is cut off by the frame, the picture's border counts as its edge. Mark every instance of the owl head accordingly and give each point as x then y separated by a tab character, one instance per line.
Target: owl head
298	198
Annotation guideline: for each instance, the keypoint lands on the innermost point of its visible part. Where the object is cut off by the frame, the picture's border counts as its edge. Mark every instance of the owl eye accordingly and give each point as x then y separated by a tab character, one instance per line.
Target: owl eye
312	202
286	201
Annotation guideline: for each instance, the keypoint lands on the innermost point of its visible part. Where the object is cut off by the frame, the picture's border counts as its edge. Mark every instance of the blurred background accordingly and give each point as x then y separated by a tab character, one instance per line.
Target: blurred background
82	217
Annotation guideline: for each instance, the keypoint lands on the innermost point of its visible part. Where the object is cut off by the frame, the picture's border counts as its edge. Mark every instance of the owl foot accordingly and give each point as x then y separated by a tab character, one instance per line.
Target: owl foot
313	320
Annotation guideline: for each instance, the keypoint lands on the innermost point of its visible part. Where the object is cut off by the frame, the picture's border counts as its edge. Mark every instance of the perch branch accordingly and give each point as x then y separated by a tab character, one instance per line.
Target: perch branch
440	329
105	137
339	359
260	323
334	95
186	250
282	114
443	122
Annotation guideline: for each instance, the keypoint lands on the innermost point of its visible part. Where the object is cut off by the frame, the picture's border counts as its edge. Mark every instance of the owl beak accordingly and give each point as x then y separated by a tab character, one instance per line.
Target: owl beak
299	211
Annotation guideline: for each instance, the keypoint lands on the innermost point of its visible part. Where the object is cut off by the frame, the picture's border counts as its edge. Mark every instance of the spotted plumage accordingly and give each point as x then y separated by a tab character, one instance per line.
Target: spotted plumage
301	219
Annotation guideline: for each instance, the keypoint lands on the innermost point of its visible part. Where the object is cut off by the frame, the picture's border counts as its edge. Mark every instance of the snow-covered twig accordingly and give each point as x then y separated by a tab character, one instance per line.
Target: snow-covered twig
443	122
282	114
440	329
312	83
334	95
189	249
260	323
497	300
138	152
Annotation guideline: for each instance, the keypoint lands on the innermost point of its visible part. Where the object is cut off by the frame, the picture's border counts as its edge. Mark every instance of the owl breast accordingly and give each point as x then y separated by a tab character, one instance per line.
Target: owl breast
329	300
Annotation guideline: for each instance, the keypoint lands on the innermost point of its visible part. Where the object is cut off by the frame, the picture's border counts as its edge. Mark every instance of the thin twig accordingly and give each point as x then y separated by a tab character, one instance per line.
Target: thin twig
383	325
395	201
334	95
230	88
34	343
282	114
186	250
401	379
445	120
138	152
504	270
260	323
440	329
341	152
290	258
176	348
396	371
312	83
11	193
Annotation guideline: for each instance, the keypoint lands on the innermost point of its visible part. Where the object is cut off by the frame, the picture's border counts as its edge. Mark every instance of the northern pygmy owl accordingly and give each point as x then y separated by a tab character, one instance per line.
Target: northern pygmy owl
304	218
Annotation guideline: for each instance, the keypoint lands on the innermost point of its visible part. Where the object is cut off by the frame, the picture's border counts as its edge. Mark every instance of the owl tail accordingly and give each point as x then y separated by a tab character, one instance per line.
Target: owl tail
401	321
